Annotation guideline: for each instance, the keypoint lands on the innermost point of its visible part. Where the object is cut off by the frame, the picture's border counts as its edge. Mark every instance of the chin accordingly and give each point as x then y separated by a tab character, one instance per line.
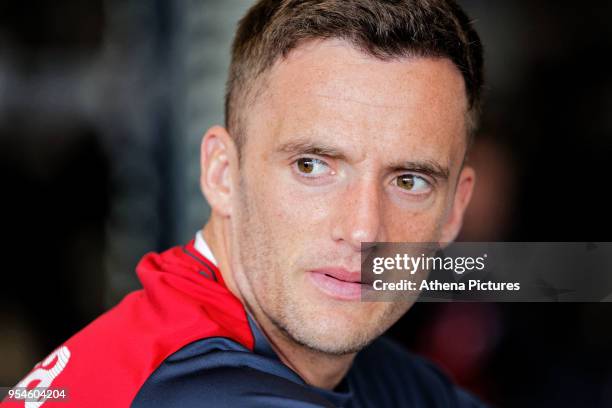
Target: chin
333	342
333	330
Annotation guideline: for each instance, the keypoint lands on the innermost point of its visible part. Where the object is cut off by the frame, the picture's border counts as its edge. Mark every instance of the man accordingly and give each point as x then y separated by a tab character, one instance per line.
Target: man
347	122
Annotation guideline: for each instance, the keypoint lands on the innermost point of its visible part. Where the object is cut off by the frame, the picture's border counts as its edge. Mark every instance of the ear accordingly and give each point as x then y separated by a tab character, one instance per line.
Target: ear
463	193
218	163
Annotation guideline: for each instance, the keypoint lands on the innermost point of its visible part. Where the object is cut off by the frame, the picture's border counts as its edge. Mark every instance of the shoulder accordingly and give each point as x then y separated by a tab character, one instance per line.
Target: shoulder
222	373
397	377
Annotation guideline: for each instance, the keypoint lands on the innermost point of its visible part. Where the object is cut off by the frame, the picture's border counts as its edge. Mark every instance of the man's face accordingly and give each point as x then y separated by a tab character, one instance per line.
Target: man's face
341	148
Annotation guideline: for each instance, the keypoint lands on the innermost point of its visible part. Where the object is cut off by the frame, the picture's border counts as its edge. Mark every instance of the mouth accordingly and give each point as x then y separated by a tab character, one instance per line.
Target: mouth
338	283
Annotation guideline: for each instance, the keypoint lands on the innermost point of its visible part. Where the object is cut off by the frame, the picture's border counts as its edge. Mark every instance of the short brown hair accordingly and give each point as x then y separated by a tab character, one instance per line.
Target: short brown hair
384	29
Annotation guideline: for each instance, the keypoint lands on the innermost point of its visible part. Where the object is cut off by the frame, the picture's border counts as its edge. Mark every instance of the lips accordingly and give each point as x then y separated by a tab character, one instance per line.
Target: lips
341	274
338	283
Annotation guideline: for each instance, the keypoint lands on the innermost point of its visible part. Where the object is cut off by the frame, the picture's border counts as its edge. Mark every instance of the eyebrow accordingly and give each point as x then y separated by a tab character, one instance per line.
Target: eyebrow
306	147
427	167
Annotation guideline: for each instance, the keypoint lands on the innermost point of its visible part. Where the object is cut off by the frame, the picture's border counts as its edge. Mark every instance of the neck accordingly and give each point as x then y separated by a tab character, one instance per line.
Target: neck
314	367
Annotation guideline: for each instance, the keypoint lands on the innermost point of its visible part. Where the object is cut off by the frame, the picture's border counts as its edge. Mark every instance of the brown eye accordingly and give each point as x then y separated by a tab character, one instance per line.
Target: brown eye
305	165
405	181
413	184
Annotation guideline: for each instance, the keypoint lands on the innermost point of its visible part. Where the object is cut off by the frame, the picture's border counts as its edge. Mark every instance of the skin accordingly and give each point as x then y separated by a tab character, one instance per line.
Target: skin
365	122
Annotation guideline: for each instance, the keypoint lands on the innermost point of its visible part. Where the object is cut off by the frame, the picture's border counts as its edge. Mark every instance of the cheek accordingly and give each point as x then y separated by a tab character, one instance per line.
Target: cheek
297	212
412	226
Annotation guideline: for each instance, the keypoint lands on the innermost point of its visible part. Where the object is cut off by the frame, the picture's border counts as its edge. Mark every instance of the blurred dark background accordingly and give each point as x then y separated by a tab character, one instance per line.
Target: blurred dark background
102	107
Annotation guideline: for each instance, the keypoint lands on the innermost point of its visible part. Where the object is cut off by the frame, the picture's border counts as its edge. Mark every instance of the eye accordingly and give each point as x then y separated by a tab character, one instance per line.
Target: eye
412	183
310	166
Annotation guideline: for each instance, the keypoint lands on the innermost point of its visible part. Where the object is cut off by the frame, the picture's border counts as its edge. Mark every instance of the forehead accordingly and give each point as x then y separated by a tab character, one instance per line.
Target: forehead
328	88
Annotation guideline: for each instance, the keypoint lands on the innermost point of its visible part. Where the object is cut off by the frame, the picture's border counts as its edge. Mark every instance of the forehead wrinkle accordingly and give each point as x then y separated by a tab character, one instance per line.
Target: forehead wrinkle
354	100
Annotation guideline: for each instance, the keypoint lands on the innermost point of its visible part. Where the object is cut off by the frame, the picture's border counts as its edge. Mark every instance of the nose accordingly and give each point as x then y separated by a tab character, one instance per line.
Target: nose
359	214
